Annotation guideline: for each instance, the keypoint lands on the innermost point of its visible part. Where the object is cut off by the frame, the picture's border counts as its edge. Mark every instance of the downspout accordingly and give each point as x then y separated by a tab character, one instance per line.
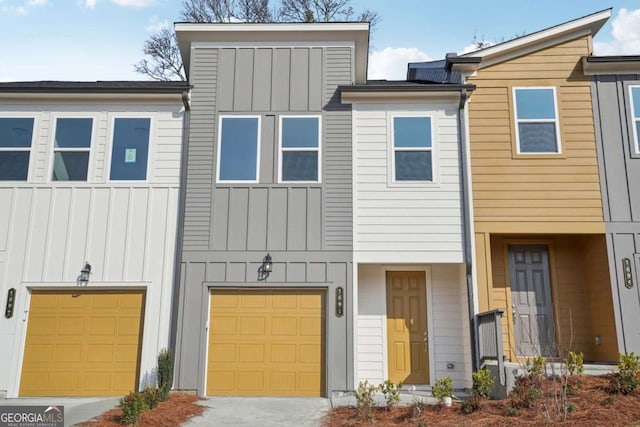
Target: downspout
466	214
186	122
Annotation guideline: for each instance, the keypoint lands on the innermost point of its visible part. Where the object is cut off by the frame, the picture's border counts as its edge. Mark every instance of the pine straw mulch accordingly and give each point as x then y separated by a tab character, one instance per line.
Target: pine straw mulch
177	410
592	405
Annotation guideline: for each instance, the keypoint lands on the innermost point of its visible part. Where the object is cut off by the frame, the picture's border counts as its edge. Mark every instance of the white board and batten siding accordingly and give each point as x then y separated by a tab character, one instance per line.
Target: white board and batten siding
447	322
125	230
412	222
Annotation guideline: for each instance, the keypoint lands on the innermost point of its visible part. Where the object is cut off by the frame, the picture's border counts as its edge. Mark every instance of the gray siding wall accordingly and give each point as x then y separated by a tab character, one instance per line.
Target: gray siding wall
229	228
620	181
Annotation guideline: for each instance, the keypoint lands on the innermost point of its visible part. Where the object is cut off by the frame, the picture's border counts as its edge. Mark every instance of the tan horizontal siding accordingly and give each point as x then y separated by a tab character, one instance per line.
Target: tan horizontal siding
515	188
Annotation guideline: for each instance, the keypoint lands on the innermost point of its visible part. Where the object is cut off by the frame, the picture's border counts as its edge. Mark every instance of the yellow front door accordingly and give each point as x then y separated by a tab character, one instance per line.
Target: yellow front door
407	327
266	343
82	343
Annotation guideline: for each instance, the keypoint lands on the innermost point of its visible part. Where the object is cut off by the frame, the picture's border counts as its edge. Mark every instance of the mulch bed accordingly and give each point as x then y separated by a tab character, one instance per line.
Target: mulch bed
592	405
177	410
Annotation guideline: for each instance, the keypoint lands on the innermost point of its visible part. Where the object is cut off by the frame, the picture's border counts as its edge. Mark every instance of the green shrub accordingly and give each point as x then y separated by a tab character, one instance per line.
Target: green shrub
471	405
626	380
536	367
526	391
365	400
417	408
443	387
391	392
512	411
165	373
132	406
575	363
482	382
152	396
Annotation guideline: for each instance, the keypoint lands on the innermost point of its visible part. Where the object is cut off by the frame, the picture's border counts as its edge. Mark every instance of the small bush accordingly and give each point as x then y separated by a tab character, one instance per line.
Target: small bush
512	411
482	383
443	387
526	392
152	396
536	367
471	405
575	363
570	407
626	380
417	408
165	373
132	406
391	392
365	400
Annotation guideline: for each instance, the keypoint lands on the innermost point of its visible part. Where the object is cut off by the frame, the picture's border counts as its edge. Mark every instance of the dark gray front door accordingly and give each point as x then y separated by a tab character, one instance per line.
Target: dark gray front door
532	308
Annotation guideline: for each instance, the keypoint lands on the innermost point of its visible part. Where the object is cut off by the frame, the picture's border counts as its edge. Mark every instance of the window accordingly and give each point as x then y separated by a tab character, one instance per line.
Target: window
412	149
16	134
538	131
71	149
238	149
635	111
130	150
300	148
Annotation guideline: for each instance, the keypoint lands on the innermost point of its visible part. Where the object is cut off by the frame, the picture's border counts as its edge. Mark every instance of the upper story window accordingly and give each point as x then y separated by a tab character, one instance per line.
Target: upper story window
537	124
239	149
412	149
130	149
16	135
635	111
299	149
71	149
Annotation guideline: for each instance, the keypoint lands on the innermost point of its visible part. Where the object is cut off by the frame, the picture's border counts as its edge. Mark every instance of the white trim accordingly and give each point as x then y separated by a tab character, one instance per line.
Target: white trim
391	160
277	44
281	149
52	148
219	148
271	28
635	117
109	145
556	121
30	149
472	226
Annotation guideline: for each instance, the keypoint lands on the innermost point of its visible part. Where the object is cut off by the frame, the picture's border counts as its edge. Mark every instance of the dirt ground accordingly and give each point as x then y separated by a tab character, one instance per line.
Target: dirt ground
589	402
178	409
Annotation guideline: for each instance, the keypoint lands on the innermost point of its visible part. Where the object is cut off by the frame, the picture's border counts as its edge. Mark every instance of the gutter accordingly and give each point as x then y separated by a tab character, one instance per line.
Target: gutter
466	213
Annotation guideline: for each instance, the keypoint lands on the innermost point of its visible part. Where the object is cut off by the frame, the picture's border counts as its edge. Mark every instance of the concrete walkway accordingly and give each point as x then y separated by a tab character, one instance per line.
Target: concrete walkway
262	411
76	409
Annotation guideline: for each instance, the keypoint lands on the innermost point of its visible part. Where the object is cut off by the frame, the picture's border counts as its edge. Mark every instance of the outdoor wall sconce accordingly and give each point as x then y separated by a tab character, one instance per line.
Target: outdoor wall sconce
339	301
83	279
11	301
266	268
626	270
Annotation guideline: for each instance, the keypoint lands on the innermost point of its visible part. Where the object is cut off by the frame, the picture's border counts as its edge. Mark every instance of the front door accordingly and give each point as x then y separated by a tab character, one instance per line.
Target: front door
407	327
532	309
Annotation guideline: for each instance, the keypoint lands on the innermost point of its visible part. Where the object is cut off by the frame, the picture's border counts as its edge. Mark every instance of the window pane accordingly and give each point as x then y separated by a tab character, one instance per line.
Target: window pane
70	166
15	132
638	134
73	133
412	132
535	104
130	149
299	165
538	138
239	149
299	132
14	165
635	94
413	166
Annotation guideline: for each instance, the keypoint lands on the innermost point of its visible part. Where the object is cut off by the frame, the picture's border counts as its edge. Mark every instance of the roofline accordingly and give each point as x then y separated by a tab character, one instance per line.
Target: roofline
589	24
402	93
613	58
611	65
91	88
269	27
404	88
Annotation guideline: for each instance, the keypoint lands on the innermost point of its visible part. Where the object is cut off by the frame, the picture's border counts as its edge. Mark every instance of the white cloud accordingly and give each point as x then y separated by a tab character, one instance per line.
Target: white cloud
156	24
126	3
626	35
22	7
391	63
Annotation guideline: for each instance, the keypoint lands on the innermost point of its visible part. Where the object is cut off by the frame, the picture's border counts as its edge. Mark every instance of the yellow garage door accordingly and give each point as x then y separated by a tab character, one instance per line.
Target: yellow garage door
82	343
266	343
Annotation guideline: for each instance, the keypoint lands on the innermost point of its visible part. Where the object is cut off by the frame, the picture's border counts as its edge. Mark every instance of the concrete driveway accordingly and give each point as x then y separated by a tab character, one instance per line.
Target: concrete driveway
262	411
76	409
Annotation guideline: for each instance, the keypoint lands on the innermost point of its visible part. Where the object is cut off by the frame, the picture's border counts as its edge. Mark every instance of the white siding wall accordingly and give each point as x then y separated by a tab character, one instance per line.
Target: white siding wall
125	230
412	222
448	322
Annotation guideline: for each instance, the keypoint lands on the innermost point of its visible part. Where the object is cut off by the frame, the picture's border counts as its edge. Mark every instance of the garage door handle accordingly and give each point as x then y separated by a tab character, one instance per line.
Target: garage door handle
24	318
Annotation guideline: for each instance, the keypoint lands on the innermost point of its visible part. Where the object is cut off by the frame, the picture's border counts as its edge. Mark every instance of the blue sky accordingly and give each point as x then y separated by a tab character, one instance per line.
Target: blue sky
101	39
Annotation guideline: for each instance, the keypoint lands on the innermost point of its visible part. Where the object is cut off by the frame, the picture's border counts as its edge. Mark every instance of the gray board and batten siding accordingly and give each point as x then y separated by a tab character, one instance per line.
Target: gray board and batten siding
620	183
230	227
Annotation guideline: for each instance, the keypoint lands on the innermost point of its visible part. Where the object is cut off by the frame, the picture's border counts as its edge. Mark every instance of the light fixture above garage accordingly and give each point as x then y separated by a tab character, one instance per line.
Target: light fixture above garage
83	279
266	268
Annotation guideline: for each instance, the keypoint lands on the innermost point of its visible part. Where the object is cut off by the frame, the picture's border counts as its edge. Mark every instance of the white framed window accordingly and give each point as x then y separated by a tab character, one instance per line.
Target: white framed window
130	146
300	149
71	148
537	124
16	138
412	148
634	96
239	149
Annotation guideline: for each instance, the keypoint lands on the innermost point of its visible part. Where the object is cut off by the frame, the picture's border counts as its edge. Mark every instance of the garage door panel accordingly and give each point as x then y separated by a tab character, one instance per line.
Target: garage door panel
94	348
268	354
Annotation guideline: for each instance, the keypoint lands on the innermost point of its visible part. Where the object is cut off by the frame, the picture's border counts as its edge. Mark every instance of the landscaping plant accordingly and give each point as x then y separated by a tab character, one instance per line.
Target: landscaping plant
132	406
152	396
482	381
165	373
574	363
626	380
365	400
391	392
443	387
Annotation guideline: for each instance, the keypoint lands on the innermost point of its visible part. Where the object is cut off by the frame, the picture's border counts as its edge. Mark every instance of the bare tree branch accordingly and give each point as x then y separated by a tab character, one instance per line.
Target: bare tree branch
166	63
